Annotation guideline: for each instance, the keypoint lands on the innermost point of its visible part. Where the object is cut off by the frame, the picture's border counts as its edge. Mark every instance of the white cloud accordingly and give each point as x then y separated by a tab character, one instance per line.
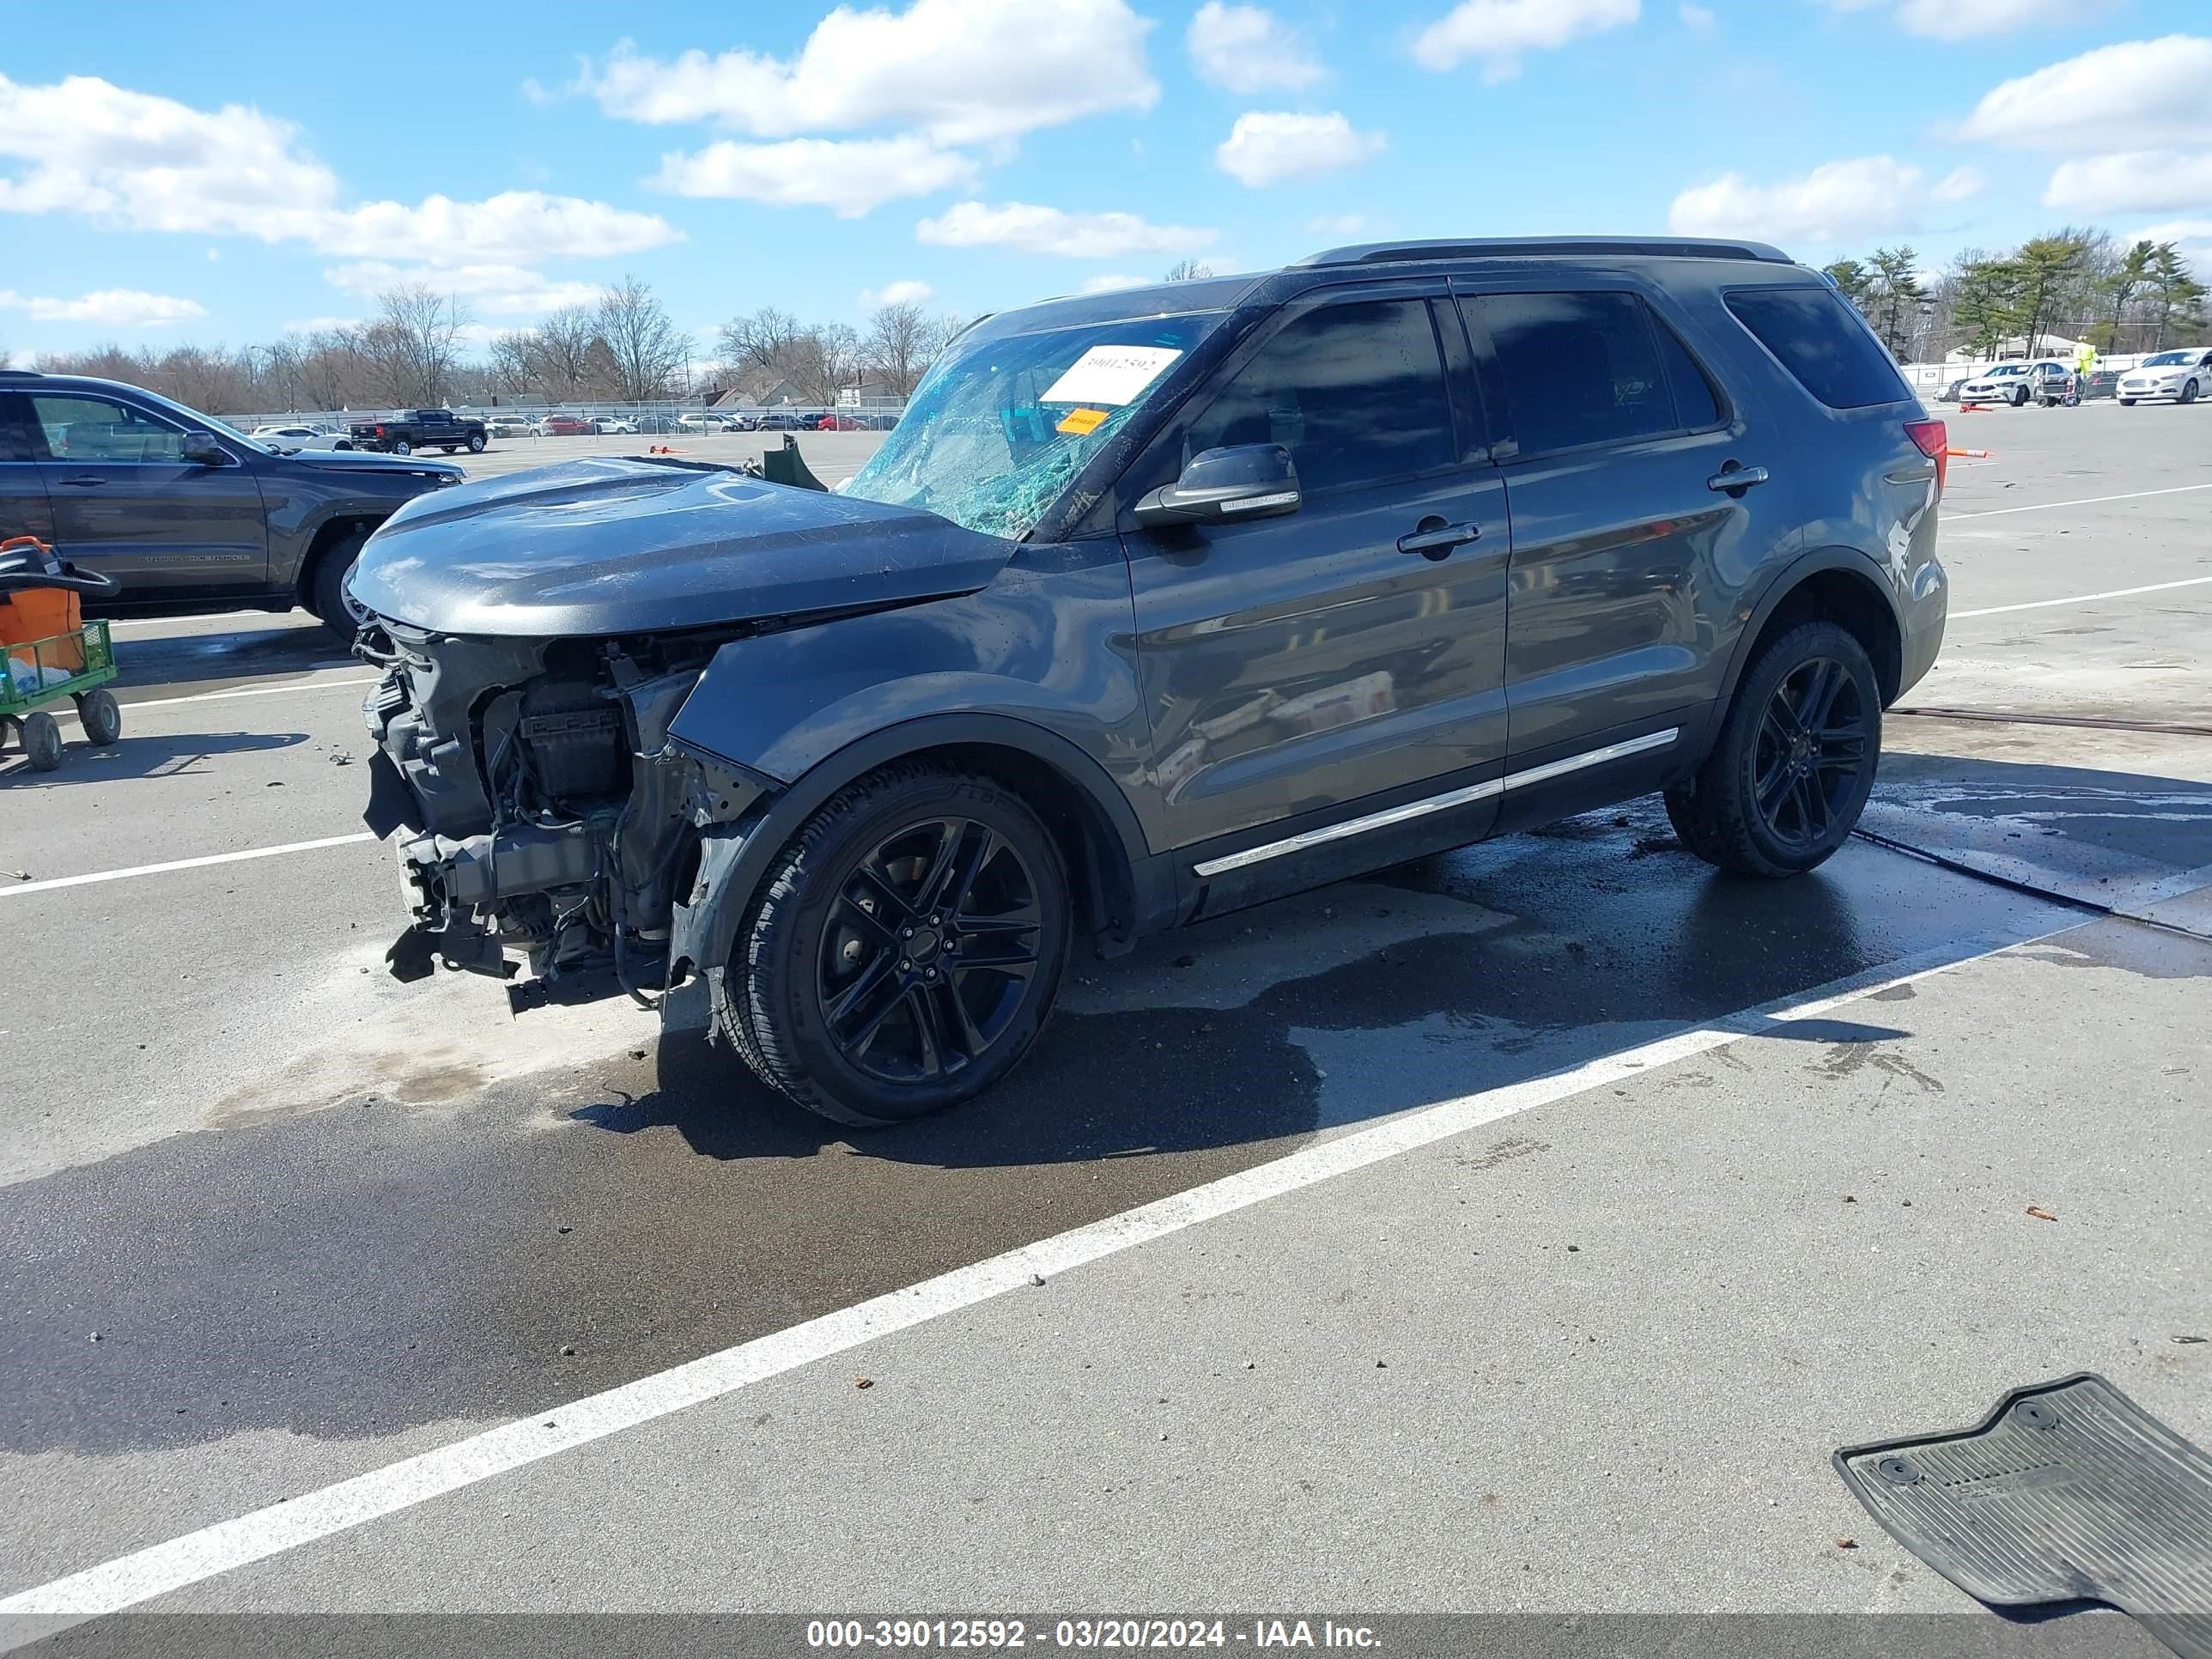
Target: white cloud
1838	202
1266	147
852	175
141	162
2135	181
2138	94
907	291
2192	237
1249	49
1699	20
1031	230
111	308
1338	224
1113	284
498	290
960	71
1963	20
1498	31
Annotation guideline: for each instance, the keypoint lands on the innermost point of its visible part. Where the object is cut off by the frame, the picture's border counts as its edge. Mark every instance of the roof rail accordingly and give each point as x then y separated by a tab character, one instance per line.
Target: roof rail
1513	247
7	374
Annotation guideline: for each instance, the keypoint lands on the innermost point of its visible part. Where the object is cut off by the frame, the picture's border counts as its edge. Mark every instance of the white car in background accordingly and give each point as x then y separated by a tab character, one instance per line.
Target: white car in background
2184	376
302	437
507	425
703	421
2043	381
615	426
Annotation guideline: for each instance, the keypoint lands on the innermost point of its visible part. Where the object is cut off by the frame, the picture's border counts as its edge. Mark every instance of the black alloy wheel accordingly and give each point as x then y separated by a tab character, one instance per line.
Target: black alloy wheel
1811	747
932	943
903	950
1794	761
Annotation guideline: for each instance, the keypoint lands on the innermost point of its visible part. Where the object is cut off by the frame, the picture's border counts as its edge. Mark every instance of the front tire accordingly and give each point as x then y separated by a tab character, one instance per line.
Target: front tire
905	949
2020	398
326	590
1795	761
42	741
2189	393
2127	403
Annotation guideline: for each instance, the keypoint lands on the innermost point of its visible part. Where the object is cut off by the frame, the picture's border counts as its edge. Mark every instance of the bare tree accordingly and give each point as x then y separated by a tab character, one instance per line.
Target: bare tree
901	342
1188	271
413	343
647	348
761	344
824	359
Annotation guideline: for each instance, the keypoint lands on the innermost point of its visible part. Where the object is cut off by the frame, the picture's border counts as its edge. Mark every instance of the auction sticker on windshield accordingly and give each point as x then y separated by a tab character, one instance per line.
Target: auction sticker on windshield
1110	375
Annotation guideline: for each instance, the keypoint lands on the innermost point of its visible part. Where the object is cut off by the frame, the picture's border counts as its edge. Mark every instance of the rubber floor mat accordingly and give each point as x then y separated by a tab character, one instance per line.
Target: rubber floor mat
2068	1491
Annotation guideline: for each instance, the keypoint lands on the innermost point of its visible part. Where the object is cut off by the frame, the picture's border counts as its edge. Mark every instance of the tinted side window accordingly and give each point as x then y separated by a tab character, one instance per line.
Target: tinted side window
1813	332
15	431
1355	393
1581	368
82	428
1695	403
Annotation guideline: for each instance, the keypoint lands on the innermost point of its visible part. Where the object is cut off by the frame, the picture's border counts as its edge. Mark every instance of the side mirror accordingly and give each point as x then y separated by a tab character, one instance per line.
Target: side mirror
1223	486
201	449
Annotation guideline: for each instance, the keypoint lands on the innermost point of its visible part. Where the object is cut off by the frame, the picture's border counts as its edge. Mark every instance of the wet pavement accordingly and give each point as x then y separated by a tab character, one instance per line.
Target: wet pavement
319	1222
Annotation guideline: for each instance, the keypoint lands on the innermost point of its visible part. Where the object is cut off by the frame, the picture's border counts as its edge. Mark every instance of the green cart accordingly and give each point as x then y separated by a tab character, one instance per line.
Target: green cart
76	663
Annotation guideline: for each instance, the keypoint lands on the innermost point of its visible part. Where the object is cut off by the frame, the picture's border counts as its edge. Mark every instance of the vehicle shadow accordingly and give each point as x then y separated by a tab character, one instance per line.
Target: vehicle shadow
142	757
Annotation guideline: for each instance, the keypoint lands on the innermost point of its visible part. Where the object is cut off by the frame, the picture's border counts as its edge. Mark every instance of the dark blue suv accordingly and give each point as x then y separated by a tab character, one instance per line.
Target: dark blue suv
1155	604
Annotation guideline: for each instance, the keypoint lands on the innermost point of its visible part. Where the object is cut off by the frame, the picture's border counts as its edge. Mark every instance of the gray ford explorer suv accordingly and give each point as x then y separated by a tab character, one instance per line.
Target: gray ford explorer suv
1158	604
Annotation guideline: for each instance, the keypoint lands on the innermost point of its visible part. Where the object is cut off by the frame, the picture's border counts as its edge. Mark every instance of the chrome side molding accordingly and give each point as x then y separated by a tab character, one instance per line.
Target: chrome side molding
1443	803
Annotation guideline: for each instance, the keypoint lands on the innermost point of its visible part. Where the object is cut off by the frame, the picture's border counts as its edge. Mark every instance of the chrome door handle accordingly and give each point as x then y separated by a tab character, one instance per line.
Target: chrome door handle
1432	539
1736	479
88	482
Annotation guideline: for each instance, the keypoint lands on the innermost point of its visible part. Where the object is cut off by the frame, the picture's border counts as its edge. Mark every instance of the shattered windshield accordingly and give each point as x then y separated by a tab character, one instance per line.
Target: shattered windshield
997	431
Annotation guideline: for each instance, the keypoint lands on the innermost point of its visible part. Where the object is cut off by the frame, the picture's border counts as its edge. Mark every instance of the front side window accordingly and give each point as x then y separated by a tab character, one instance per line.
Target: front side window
1586	368
85	428
1355	392
1002	425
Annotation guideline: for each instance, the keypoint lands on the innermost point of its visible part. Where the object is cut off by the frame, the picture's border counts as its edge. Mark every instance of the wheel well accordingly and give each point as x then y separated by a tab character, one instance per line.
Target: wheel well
329	536
1854	604
1099	870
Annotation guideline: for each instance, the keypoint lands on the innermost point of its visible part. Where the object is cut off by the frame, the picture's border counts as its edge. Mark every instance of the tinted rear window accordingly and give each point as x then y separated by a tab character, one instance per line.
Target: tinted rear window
1813	332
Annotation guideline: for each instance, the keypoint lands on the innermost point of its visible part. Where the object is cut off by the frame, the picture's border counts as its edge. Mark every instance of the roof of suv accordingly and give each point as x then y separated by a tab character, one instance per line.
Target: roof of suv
1223	293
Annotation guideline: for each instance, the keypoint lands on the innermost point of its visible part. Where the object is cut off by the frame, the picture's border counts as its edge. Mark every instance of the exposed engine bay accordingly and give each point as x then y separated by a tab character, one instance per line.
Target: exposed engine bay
542	811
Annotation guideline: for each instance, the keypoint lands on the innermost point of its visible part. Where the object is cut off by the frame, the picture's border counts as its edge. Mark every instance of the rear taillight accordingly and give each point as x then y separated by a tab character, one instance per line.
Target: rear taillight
1934	439
379	432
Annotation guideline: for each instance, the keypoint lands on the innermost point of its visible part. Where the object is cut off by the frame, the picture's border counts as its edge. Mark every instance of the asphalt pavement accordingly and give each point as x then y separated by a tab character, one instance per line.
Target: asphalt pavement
1518	1230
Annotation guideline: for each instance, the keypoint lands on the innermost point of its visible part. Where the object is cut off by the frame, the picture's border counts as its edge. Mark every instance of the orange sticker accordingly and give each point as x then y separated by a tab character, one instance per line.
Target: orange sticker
1082	422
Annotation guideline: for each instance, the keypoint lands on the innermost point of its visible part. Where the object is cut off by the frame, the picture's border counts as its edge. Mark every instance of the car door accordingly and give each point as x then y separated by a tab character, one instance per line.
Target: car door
126	503
1629	545
1347	658
24	509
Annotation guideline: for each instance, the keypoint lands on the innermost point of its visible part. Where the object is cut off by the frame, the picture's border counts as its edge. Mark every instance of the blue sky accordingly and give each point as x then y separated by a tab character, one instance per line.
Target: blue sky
270	168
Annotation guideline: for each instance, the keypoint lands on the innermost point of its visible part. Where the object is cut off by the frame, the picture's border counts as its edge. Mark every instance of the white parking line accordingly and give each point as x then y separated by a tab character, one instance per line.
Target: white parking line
69	714
16	889
2081	598
2086	500
286	1525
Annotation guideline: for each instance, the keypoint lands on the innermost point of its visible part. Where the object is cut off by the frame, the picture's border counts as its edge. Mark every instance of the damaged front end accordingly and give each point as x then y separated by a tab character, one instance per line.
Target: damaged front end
538	807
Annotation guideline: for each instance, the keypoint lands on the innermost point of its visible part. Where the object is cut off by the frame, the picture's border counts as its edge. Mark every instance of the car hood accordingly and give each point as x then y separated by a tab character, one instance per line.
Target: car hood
353	462
617	545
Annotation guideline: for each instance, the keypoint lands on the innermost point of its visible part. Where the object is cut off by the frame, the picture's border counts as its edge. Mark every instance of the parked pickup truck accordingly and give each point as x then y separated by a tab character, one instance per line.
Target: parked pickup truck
420	428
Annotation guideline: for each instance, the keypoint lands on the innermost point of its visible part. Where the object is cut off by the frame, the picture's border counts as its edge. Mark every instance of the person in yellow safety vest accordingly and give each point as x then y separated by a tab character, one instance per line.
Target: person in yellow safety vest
2085	359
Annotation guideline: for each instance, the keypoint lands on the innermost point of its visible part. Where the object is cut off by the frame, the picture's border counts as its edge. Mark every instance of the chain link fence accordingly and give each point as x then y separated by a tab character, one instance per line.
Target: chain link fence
670	418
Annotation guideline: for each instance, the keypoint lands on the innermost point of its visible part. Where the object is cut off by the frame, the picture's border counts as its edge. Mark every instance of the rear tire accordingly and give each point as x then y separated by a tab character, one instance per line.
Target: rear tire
326	588
905	949
401	446
476	443
101	716
1795	761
